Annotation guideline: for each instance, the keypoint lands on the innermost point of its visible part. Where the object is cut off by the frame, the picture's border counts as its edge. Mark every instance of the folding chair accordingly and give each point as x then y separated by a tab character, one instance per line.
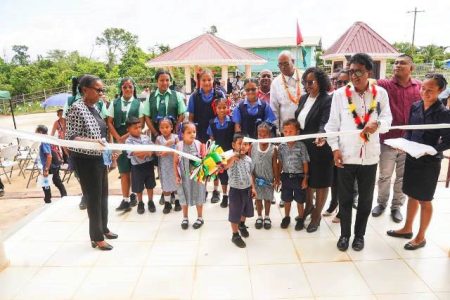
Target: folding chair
67	173
7	160
6	140
35	169
27	152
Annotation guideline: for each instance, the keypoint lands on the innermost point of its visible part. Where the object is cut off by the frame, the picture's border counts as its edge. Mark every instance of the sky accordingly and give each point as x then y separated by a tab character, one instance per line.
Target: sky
73	25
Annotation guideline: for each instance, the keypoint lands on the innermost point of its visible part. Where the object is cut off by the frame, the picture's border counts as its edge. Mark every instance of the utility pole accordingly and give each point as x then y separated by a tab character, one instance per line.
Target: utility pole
415	11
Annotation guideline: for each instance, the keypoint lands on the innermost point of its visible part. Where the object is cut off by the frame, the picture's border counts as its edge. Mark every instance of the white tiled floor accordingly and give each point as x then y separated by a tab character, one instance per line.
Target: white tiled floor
153	258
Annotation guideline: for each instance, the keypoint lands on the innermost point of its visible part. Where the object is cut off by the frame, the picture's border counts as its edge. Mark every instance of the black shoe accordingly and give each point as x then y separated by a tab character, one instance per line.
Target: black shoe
396	215
185	224
107	247
124	206
198	223
285	222
177	205
378	210
259	223
300	224
393	233
161	200
224	202
243	230
82	204
140	208
215	197
47	201
133	200
238	241
411	246
342	243
358	243
151	206
111	236
167	208
312	227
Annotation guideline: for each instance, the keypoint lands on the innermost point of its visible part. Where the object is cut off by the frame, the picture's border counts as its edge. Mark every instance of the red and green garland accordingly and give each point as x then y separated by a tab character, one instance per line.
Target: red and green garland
361	121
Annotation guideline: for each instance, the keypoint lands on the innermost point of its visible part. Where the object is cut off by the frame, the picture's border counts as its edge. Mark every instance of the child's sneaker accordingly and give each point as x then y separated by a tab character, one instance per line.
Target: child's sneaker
167	208
140	208
285	222
243	230
224	202
185	224
124	206
133	200
151	206
177	205
215	197
267	223
281	203
259	223
238	241
300	224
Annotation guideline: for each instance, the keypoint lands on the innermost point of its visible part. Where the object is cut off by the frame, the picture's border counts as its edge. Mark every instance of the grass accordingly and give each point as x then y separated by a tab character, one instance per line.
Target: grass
24	109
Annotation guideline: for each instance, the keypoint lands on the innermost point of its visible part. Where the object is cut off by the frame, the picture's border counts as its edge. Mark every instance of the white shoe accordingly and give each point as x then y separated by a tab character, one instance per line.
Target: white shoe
281	203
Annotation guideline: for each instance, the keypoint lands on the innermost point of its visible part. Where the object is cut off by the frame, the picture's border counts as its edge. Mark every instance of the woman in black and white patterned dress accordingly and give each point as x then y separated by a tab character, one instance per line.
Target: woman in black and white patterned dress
84	123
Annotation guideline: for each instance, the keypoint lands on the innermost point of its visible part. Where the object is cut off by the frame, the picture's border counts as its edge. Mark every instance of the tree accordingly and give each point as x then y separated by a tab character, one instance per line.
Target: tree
158	49
21	57
405	47
117	41
56	55
432	53
133	63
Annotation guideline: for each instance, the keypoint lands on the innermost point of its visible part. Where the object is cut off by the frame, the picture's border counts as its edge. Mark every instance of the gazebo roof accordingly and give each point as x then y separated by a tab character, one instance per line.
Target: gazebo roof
207	50
360	38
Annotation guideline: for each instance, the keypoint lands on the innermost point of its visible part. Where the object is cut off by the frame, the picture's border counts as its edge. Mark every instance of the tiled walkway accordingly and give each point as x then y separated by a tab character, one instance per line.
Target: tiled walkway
153	258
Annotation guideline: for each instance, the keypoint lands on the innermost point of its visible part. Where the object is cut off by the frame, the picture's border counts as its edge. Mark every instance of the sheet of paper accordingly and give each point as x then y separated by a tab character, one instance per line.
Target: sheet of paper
412	148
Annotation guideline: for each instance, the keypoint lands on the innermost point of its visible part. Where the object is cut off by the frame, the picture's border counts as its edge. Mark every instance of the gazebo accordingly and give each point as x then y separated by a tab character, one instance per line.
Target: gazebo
207	50
361	38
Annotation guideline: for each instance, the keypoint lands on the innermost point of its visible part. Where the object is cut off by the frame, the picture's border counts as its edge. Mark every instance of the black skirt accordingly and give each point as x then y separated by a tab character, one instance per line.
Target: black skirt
421	176
320	165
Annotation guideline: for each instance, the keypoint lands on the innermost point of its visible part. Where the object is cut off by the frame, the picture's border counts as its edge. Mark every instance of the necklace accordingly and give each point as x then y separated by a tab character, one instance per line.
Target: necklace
293	99
361	121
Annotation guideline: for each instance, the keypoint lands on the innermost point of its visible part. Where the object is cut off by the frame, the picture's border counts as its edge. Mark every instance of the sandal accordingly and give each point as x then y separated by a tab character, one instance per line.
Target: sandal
198	223
267	223
259	223
185	224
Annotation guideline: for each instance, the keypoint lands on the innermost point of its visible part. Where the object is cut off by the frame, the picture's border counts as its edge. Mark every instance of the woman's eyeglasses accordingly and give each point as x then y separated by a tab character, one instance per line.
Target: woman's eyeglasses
98	91
251	90
308	82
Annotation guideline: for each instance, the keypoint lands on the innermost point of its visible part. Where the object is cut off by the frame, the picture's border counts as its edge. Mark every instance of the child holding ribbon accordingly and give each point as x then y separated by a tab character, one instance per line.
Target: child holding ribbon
190	192
221	131
264	157
165	165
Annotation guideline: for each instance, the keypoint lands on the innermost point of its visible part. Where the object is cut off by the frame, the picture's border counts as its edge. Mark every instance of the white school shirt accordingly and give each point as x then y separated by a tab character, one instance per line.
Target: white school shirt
305	111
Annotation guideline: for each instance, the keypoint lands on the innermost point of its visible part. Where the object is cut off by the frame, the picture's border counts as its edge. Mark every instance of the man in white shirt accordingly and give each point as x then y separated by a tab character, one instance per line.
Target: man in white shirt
285	91
357	156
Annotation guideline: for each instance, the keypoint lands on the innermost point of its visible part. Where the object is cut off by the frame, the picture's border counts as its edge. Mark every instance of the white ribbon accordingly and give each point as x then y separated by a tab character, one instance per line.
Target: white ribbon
159	148
286	139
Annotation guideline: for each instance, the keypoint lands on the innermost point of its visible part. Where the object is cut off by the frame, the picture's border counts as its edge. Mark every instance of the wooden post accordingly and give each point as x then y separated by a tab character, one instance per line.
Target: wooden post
248	71
187	79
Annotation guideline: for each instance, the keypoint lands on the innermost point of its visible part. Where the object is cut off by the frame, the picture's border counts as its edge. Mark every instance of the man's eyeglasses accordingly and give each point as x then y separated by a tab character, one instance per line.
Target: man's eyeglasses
342	82
98	91
250	90
308	82
283	64
357	73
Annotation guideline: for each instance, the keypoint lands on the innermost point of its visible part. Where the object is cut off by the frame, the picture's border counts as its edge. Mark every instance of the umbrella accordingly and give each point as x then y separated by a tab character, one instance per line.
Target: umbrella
56	100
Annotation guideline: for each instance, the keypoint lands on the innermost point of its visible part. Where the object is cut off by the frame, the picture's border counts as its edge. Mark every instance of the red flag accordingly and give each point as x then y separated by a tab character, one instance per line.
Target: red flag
299	35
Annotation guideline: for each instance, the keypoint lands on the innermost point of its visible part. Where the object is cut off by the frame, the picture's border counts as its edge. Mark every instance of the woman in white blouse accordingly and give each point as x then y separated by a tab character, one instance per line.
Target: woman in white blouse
312	113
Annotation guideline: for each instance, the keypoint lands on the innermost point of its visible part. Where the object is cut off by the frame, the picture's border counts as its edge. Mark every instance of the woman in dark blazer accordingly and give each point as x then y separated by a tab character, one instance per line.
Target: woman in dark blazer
84	123
312	113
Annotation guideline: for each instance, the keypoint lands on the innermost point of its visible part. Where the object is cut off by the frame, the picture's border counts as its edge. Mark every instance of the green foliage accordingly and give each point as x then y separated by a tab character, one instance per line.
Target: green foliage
21	57
117	41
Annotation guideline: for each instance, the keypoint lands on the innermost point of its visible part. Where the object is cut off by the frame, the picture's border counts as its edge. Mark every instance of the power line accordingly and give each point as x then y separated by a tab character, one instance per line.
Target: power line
415	11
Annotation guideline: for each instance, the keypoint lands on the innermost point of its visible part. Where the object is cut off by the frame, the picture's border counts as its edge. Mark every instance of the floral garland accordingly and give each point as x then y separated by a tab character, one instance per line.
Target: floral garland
361	121
293	99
